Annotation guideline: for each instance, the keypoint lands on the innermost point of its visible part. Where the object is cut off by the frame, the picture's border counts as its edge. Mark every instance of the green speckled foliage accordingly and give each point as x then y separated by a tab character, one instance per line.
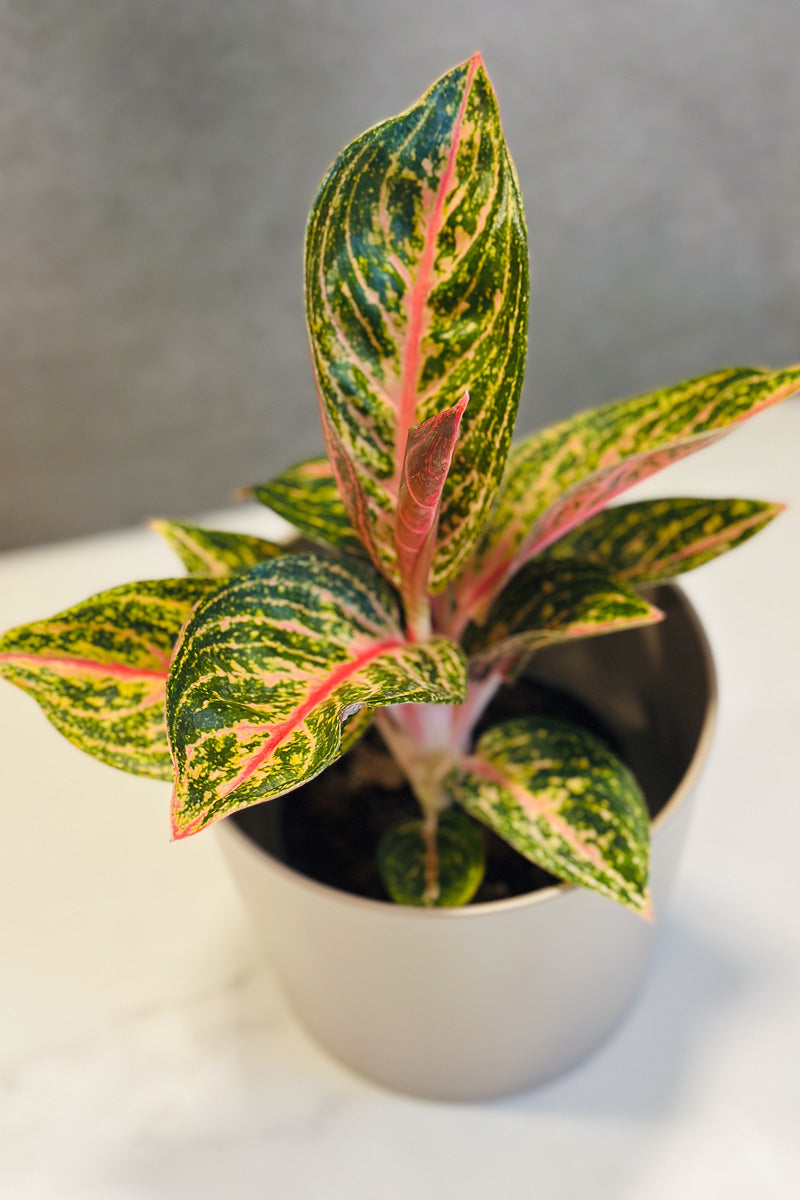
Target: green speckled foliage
556	479
213	553
99	670
269	667
561	798
550	602
307	496
450	555
444	873
417	292
653	540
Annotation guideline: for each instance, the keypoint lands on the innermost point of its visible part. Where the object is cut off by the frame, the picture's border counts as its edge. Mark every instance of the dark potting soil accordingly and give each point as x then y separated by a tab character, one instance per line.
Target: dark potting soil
330	828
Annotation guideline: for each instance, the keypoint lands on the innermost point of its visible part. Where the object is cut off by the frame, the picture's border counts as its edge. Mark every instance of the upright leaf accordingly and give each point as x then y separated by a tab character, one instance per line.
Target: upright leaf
417	291
268	669
560	797
213	553
564	475
429	453
307	496
99	670
657	539
550	602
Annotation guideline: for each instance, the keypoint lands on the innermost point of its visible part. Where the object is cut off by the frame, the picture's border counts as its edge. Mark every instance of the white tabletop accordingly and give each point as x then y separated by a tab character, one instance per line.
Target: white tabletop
146	1051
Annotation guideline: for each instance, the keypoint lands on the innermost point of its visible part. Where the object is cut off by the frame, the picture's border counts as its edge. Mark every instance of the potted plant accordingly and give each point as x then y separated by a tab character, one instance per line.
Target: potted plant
445	558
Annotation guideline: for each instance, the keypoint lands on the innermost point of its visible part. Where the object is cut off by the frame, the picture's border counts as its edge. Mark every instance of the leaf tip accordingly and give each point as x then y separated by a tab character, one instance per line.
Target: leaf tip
645	908
179	830
179	833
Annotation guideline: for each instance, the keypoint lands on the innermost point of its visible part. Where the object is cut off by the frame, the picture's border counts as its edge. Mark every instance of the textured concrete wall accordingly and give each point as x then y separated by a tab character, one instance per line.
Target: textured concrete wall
157	161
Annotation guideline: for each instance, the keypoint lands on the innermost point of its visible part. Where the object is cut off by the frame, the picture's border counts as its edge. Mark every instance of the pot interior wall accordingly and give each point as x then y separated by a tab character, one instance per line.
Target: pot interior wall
652	686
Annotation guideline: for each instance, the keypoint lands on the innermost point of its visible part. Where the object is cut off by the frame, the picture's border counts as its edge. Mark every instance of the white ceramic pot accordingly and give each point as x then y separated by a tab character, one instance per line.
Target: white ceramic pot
490	999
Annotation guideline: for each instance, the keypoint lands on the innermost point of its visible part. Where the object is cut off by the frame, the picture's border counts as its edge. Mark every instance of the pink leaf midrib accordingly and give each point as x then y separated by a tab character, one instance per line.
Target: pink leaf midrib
421	290
278	733
87	666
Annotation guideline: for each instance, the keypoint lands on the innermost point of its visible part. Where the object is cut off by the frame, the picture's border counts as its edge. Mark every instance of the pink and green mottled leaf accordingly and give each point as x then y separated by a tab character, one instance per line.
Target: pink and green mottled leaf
562	476
549	602
212	552
443	867
307	496
417	292
561	798
658	539
429	453
99	670
268	669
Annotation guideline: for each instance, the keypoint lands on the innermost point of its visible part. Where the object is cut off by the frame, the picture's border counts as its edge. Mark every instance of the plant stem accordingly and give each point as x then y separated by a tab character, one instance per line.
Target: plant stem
418	620
422	753
430	829
480	693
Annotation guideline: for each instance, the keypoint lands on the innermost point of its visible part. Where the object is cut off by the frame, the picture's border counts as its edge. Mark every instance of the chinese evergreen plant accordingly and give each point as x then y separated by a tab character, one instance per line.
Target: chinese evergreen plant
450	555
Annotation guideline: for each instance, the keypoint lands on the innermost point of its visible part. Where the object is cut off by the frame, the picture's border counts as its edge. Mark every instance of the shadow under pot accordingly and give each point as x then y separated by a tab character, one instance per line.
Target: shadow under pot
503	994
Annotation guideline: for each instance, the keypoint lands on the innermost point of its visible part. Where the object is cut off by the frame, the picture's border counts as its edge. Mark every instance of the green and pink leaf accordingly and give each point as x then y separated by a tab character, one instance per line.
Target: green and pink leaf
553	601
560	797
212	552
307	496
269	668
99	670
442	865
658	539
561	477
417	292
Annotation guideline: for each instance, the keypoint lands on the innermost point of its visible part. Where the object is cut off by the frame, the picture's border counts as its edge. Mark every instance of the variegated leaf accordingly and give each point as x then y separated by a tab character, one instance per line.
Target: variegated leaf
416	292
268	669
549	602
443	869
307	496
99	670
429	453
657	539
560	797
213	553
556	479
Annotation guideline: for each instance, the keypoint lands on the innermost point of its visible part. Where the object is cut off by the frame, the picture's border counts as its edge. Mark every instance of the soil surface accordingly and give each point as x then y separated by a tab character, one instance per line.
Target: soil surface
331	827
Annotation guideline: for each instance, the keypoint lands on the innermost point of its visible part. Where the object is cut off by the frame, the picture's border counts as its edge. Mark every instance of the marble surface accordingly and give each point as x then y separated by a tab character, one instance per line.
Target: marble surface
147	1053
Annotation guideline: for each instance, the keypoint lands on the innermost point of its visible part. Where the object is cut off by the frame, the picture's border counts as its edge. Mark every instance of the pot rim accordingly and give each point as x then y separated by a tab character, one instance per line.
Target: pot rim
541	895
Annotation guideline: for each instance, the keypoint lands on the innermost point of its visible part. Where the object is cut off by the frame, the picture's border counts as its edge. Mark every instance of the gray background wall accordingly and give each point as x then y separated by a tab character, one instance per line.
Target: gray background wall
157	161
